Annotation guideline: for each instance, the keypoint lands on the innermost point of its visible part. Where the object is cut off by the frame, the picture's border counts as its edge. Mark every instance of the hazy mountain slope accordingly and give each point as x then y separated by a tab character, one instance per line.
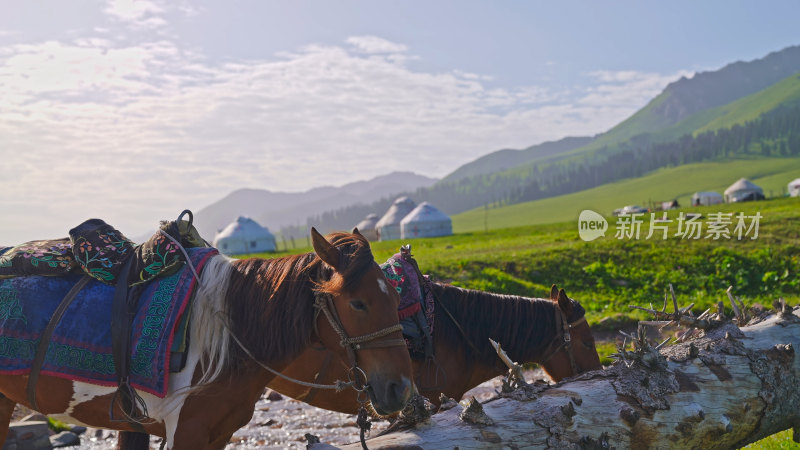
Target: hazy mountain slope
505	159
276	209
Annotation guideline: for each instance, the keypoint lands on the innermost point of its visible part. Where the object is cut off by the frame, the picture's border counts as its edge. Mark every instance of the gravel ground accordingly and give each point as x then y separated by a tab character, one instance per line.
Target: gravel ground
282	424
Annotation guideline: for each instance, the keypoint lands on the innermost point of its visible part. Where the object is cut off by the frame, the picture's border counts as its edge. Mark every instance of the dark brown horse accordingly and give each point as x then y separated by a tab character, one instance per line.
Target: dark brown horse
249	314
528	329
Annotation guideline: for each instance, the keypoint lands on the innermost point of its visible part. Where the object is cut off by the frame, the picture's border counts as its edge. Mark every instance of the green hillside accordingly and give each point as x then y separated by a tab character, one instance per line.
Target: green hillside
752	106
666	184
709	101
785	92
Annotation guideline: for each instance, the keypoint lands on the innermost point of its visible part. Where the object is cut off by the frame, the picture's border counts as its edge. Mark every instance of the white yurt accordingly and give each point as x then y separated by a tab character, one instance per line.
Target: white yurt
244	235
426	221
794	188
388	227
742	191
367	227
706	198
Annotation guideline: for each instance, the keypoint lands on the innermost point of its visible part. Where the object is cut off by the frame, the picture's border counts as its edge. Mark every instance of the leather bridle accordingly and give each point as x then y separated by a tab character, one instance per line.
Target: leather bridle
565	341
323	303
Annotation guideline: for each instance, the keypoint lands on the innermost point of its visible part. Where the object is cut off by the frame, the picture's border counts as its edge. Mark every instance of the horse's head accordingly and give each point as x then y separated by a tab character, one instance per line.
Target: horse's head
368	335
572	351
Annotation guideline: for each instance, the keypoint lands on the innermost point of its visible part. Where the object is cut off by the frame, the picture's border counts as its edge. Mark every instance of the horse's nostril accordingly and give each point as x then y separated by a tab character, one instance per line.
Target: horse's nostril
398	390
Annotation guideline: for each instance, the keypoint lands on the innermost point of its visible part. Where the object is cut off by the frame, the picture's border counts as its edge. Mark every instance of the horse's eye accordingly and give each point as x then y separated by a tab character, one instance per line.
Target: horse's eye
358	305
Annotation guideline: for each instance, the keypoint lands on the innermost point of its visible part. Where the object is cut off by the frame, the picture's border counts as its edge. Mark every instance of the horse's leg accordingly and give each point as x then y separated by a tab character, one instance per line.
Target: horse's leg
6	410
207	419
132	440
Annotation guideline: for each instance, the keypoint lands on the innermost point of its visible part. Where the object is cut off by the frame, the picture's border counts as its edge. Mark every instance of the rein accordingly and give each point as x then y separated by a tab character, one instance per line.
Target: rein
325	305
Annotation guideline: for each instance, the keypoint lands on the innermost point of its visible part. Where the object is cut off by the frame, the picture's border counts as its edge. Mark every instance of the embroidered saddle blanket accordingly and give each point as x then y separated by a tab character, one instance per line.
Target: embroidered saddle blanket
80	348
416	302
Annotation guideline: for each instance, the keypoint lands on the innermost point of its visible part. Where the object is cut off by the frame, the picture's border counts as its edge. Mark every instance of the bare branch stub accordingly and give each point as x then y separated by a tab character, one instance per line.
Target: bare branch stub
644	353
515	378
738	309
684	316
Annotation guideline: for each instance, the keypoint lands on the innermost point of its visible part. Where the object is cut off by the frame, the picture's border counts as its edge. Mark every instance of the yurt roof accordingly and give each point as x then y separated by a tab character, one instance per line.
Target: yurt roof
425	212
742	185
399	209
368	223
243	228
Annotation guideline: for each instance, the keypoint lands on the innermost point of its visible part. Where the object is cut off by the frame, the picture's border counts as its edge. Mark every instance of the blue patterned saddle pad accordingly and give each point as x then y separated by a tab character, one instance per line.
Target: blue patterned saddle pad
80	348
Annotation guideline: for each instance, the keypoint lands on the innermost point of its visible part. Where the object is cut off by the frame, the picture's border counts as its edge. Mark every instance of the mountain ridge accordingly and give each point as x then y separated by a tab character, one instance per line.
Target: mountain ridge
278	209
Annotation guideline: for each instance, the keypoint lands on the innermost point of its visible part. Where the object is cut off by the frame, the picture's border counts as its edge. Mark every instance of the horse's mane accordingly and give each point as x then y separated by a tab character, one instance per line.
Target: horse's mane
270	301
524	326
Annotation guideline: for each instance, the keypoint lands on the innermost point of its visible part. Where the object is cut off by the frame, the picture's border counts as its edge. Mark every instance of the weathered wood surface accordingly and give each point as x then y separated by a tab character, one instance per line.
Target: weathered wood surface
725	389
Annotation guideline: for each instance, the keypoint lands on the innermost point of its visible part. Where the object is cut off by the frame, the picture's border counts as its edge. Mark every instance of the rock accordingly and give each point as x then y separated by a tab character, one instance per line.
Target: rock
30	435
77	429
65	439
274	396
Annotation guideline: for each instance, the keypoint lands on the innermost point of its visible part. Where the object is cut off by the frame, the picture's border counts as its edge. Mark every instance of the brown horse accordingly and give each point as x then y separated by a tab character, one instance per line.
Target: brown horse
247	315
528	329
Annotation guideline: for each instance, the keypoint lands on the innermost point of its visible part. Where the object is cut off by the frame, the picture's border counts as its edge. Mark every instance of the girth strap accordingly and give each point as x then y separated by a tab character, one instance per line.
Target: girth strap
123	309
44	342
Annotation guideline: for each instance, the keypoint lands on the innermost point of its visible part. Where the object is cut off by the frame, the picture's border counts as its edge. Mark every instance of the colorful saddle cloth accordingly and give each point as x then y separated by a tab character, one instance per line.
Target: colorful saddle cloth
80	348
416	302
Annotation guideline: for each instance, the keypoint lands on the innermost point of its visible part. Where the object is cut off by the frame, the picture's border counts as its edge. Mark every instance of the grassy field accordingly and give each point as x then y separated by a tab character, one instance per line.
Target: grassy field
666	184
609	273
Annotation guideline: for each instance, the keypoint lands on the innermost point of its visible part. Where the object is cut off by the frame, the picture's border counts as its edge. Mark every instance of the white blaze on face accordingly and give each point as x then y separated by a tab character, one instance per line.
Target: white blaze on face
383	286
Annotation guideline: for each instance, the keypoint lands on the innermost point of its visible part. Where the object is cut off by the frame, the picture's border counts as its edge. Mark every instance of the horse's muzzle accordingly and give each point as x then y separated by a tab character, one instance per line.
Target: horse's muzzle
389	395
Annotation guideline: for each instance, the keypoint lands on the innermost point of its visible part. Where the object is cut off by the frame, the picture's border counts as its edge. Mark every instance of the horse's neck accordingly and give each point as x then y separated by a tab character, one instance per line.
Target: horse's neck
520	353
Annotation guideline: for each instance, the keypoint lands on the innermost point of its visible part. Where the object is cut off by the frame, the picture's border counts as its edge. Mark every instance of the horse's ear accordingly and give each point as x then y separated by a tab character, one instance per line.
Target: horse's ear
554	292
325	250
564	303
355	231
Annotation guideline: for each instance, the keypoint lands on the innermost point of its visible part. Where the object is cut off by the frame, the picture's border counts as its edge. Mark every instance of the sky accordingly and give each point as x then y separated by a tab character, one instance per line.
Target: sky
132	111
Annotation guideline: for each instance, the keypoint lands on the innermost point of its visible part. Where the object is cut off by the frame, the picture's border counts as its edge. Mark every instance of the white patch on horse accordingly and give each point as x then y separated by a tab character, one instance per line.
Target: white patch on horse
81	393
383	286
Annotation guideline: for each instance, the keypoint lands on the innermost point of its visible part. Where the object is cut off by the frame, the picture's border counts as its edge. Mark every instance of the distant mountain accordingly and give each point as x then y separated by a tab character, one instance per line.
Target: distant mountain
505	159
277	209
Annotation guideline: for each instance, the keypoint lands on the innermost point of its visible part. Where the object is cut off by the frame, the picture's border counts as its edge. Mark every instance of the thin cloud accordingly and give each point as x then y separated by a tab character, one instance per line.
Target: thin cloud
375	44
134	133
132	10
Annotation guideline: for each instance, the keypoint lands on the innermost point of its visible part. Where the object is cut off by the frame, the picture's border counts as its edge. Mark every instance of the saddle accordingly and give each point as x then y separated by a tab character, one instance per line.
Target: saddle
416	309
101	252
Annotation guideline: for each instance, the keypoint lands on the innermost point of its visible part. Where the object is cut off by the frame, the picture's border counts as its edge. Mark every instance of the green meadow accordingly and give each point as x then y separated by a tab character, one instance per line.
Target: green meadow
679	183
610	273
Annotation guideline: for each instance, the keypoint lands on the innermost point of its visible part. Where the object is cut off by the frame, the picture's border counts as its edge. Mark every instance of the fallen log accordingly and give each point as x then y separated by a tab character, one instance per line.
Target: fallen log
724	388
